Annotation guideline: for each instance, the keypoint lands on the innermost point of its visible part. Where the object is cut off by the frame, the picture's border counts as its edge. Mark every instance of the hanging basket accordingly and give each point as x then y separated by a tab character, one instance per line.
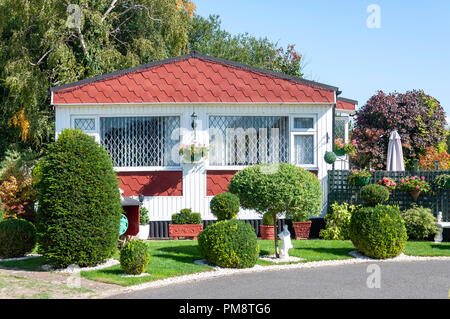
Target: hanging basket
340	152
361	181
414	194
192	157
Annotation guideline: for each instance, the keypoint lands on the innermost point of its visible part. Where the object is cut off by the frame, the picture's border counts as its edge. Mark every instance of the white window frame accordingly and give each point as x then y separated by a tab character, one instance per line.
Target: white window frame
95	133
304	131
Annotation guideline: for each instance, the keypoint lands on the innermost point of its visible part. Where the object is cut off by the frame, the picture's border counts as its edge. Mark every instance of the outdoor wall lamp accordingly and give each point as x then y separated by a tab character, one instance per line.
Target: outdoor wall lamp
141	197
194	119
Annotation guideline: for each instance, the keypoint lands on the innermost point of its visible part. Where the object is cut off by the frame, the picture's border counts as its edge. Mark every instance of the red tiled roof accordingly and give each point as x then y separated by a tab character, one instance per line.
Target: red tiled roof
194	79
346	104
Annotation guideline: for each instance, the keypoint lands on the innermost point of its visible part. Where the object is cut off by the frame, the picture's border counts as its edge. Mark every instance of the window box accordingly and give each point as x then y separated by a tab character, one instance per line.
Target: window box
185	230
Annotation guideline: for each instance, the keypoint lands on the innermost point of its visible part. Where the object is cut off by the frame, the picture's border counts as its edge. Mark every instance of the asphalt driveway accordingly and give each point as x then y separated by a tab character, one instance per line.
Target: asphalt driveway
422	279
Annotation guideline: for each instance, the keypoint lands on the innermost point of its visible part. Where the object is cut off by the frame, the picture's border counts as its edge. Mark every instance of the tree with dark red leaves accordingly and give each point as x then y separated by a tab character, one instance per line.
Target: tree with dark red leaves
417	117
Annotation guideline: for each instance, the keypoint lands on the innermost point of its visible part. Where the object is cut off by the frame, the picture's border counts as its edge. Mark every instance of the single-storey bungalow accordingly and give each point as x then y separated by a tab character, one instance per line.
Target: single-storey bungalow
240	114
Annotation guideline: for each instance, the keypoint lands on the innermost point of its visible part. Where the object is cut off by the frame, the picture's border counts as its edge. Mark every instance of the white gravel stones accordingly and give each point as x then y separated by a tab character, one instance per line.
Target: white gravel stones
21	258
402	257
74	268
274	259
144	274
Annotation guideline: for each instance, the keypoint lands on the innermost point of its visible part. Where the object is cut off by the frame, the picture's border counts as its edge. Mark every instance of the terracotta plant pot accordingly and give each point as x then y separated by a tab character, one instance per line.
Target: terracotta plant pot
414	194
302	230
185	230
267	232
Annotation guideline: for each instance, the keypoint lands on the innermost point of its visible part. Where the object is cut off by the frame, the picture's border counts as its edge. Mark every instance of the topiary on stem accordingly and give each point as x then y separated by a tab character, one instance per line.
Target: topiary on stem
374	194
79	202
278	189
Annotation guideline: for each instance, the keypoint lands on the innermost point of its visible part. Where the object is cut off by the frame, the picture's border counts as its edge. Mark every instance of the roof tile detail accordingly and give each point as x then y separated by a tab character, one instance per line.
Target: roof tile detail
192	80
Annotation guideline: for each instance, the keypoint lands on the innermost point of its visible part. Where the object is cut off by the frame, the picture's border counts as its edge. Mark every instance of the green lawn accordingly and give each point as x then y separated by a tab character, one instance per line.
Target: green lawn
171	258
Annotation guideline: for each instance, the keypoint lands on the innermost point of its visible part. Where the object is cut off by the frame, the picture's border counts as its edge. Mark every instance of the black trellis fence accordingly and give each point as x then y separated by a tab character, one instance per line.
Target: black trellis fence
438	201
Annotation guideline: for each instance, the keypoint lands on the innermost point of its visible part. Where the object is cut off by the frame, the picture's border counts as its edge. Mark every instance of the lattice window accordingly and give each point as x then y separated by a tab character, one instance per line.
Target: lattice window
85	124
139	141
304	149
248	140
340	127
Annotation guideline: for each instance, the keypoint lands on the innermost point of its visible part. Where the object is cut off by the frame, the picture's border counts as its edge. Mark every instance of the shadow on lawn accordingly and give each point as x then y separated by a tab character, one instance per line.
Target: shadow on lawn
185	254
327	251
440	246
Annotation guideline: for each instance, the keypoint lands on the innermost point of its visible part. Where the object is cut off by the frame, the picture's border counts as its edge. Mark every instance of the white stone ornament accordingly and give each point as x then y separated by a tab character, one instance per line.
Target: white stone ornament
285	236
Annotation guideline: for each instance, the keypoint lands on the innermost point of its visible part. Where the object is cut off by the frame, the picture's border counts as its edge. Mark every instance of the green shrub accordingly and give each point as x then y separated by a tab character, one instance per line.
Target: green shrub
134	257
267	219
79	209
225	206
420	222
374	194
17	238
186	216
143	216
441	182
338	222
229	244
378	232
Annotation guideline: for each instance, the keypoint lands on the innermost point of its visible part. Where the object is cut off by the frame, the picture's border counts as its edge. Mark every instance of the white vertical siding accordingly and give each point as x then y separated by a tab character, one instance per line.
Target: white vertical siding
194	176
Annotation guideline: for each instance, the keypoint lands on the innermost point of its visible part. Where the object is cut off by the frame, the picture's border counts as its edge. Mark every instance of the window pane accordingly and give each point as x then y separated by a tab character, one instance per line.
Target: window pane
85	124
247	140
139	141
303	122
304	149
339	128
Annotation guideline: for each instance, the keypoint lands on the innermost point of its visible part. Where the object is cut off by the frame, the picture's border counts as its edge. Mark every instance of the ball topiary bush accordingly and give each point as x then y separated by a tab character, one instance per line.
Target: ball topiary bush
79	209
225	206
229	244
420	222
374	194
17	238
134	257
378	232
330	157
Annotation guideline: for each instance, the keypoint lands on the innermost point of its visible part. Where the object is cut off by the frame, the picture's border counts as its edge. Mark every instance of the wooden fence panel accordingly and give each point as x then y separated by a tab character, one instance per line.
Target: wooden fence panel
339	191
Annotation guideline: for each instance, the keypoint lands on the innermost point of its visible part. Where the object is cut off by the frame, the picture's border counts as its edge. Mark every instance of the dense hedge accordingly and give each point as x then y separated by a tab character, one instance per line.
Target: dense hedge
134	257
17	238
225	206
374	194
420	222
186	216
79	202
378	232
229	244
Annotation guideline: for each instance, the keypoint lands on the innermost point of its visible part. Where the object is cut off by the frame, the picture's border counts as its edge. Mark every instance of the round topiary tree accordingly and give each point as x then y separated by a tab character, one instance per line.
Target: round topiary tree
225	206
17	238
79	202
374	194
229	244
134	257
378	232
278	189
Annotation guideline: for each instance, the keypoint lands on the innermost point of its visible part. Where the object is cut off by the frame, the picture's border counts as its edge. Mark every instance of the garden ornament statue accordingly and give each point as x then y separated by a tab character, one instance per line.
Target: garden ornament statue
285	236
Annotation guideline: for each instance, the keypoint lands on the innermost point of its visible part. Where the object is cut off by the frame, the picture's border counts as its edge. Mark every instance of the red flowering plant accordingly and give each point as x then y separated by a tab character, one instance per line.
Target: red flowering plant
414	183
388	182
341	147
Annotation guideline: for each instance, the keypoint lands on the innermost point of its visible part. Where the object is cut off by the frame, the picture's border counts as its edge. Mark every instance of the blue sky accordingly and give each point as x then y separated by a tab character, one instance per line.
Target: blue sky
411	49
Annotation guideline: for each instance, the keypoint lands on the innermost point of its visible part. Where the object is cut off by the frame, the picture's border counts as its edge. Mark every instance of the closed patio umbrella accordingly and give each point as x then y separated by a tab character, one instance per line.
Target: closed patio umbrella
395	153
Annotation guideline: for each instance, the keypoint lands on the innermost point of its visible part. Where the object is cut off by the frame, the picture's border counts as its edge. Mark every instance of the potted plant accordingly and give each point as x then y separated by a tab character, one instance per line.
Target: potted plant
441	182
302	226
185	224
193	153
341	148
414	185
359	177
144	226
387	182
267	230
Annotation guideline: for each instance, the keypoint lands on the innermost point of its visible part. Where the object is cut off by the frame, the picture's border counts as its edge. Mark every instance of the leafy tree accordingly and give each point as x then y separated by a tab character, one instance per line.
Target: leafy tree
277	190
50	43
418	118
207	37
